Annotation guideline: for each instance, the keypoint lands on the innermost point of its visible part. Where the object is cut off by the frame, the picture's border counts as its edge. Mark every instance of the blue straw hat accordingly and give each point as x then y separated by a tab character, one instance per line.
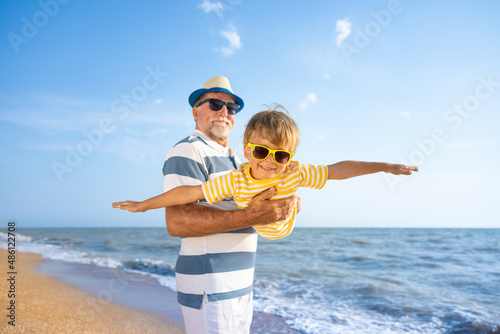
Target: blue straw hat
216	84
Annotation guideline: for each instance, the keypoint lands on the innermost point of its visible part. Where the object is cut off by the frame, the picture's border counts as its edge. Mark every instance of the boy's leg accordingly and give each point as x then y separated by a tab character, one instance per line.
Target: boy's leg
230	316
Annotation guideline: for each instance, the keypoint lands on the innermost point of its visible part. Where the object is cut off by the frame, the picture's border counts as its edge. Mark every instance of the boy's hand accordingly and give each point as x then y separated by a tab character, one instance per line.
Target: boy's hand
129	206
397	169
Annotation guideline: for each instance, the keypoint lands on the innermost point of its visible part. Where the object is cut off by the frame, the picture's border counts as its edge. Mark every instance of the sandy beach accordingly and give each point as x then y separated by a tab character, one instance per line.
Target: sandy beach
43	304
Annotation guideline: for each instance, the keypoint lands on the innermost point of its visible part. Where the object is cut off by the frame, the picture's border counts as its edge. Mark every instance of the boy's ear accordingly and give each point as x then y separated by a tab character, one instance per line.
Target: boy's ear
246	151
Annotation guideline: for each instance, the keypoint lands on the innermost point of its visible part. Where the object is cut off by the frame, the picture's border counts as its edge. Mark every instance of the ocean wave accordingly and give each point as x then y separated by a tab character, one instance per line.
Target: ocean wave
18	238
376	317
394	281
149	266
60	249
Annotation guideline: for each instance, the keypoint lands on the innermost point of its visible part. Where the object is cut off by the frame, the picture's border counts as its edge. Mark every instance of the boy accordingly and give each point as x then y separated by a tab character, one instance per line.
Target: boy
270	141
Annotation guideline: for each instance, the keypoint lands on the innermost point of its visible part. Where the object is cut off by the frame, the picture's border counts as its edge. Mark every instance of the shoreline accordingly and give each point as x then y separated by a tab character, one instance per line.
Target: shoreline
55	296
41	303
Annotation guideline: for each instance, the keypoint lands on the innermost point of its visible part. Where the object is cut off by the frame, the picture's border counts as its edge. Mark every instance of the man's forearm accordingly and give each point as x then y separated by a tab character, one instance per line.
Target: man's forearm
197	220
194	220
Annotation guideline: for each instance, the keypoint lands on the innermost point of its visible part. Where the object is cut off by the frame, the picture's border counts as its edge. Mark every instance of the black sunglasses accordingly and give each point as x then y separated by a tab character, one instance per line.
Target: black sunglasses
216	105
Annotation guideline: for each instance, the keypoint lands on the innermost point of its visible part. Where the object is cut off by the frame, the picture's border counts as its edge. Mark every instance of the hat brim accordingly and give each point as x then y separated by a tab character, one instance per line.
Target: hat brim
199	92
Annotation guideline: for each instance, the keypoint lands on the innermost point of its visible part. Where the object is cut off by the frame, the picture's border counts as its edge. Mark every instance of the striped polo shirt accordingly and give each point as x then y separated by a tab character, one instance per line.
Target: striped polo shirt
220	265
241	186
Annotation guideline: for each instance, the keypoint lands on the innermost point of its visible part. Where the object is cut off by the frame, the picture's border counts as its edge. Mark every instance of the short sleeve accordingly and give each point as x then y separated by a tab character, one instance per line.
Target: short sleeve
218	189
313	176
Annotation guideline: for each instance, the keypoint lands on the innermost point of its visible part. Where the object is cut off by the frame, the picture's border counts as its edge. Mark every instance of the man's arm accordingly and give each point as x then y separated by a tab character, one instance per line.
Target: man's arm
196	220
347	169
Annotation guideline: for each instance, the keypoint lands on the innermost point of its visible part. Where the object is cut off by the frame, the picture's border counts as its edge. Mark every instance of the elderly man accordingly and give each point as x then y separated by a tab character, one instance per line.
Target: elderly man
216	263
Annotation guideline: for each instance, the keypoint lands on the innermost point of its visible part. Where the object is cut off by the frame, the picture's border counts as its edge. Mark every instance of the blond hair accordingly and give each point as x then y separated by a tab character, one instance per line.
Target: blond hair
276	126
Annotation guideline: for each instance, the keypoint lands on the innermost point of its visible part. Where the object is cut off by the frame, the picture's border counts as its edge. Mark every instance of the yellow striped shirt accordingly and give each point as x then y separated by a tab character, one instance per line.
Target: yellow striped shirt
242	187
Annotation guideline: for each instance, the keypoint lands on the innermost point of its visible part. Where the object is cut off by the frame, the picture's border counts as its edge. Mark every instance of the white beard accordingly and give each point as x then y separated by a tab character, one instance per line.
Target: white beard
220	131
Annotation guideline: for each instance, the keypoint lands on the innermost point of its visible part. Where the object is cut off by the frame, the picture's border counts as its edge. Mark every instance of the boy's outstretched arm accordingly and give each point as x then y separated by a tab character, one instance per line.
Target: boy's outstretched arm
176	196
347	169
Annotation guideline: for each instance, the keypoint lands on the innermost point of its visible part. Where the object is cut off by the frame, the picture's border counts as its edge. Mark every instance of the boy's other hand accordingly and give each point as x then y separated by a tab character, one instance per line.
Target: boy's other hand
397	169
128	205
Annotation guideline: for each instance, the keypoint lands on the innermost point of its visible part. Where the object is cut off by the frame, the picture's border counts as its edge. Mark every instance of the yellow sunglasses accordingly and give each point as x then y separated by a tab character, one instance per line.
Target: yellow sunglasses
261	152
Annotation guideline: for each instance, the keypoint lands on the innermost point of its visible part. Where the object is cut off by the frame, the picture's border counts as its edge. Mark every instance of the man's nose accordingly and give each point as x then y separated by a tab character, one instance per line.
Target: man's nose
223	111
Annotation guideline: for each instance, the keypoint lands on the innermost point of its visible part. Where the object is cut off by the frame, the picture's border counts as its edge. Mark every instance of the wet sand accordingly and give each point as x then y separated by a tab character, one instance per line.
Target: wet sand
41	303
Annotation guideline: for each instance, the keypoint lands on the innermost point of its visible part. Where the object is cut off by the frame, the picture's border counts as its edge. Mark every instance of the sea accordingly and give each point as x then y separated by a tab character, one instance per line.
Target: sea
325	280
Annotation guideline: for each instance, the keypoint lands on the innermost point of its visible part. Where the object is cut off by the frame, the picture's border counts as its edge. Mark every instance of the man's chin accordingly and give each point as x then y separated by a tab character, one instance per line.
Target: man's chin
220	132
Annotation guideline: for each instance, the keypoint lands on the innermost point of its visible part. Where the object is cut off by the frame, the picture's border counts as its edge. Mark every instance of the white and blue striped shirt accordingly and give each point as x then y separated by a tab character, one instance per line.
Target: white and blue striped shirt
220	265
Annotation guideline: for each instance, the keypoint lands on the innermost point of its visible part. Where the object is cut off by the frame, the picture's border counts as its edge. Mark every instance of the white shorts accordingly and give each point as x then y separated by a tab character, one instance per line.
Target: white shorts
230	316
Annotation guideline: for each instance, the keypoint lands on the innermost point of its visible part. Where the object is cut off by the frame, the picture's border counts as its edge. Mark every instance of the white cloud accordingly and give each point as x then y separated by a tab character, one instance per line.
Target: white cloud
52	113
157	133
132	150
327	76
208	7
130	141
234	41
310	99
343	29
132	132
405	114
51	120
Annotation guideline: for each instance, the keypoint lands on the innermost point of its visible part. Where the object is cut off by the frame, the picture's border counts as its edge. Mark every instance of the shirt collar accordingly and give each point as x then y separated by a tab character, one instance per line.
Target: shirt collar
231	151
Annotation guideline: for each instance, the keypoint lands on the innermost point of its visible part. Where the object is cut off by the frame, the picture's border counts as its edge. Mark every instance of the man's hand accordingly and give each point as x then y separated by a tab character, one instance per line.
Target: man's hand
265	211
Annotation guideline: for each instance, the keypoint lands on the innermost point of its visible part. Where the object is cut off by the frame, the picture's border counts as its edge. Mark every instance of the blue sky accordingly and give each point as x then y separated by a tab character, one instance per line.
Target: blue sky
94	94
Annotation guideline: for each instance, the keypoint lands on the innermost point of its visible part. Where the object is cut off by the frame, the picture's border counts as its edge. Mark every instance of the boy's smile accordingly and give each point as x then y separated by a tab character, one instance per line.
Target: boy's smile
263	169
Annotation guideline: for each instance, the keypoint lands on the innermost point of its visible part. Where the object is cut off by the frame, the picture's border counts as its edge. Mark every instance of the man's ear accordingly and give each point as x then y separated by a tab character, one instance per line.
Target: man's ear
195	113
